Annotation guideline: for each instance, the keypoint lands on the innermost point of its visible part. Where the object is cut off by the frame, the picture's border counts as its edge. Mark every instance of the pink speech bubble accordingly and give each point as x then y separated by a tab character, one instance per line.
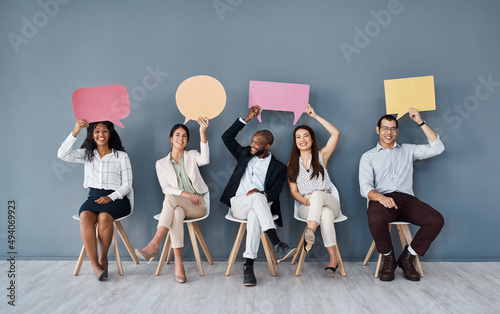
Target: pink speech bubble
102	103
279	96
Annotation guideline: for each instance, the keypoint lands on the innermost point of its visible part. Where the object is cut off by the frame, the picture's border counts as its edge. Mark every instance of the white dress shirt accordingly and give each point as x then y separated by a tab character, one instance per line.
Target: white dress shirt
111	172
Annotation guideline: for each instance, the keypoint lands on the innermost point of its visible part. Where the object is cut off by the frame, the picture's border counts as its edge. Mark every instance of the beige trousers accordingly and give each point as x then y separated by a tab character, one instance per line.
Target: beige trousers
175	209
324	209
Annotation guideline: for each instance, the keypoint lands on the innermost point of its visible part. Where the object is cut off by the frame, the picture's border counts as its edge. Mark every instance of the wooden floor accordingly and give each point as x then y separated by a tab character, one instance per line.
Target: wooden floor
448	287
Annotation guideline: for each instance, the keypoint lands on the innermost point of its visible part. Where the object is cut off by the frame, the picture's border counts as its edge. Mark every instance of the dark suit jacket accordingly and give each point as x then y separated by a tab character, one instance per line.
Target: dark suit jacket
275	176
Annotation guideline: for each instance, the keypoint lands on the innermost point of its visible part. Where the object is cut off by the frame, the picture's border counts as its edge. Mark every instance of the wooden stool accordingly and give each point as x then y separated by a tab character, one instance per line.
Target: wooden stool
195	235
405	237
300	247
266	244
118	226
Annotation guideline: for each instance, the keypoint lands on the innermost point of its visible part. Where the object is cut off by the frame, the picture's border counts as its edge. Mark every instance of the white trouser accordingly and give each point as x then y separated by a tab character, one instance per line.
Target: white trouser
324	209
255	209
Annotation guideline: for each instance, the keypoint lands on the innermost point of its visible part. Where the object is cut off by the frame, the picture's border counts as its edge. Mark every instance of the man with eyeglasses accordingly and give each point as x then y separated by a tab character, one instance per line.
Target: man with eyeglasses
386	180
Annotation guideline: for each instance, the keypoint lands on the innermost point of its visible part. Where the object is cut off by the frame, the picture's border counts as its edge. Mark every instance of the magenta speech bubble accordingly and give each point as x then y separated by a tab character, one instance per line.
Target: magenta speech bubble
101	103
279	96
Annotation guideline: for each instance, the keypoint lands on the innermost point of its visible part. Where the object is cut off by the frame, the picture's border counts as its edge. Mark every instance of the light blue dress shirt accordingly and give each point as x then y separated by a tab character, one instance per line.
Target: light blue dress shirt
255	175
391	170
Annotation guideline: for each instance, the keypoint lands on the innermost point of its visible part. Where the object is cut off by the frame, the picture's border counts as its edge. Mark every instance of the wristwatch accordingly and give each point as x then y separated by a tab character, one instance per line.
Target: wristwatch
420	124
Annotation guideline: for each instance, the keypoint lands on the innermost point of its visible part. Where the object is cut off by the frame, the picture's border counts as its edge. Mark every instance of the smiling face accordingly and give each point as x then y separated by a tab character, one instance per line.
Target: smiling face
101	135
179	139
303	139
259	145
388	131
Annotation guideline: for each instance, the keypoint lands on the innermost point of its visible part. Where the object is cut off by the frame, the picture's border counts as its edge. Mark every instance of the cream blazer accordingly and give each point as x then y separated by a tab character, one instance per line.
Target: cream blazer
192	161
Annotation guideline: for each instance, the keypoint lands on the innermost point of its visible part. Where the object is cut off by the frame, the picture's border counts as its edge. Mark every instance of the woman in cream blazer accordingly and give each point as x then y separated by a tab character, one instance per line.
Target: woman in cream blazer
183	186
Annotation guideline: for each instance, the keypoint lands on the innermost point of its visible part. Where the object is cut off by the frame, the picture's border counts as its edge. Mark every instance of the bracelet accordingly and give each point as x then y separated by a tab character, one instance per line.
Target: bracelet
420	124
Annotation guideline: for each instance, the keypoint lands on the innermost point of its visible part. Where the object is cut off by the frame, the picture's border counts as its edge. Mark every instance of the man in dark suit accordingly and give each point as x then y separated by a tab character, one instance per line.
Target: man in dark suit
253	191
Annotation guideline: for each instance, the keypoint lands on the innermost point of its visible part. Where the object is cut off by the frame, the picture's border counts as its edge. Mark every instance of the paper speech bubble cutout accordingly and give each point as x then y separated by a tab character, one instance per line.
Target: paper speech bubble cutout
200	96
416	92
101	103
279	96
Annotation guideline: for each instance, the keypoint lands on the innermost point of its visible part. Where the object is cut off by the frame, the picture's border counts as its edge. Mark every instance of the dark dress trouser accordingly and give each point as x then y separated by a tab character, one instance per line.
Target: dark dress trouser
410	209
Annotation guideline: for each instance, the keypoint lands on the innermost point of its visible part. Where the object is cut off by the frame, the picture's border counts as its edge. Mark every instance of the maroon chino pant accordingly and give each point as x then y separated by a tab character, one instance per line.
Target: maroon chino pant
410	209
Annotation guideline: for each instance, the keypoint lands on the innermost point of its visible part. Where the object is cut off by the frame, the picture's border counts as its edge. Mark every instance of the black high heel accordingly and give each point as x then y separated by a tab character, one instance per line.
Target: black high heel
103	275
331	270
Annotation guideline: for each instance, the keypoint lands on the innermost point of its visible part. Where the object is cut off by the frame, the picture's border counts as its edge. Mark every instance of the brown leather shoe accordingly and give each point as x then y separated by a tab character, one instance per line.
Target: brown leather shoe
407	262
388	267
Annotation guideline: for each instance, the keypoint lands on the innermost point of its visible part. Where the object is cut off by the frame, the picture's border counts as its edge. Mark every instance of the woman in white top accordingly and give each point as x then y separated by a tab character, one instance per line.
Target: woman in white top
108	174
310	185
183	186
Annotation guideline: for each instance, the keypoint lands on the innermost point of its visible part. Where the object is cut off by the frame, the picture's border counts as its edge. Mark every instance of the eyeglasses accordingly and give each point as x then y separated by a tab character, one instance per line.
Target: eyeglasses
386	129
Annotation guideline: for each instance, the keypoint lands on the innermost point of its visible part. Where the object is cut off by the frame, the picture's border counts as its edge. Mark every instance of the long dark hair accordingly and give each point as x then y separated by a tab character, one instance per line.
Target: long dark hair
293	164
115	143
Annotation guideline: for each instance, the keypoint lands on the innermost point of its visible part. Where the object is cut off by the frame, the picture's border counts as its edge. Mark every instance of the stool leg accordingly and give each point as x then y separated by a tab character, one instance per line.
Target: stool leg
379	264
341	263
402	235
199	236
170	250
123	235
81	258
196	250
166	247
236	248
369	254
409	238
117	254
268	252
302	258
299	247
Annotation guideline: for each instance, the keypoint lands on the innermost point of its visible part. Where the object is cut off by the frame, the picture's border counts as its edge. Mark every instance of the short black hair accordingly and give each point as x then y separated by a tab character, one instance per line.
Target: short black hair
267	135
387	117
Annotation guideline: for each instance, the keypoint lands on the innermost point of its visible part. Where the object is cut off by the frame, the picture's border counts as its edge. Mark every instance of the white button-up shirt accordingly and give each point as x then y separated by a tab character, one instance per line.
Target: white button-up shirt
391	170
111	172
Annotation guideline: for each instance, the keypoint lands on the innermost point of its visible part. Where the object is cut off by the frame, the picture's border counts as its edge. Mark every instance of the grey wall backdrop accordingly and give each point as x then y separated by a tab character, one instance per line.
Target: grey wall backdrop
343	49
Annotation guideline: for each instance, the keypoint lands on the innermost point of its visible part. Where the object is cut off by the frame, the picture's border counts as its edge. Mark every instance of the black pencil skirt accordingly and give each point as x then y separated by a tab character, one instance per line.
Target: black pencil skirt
117	209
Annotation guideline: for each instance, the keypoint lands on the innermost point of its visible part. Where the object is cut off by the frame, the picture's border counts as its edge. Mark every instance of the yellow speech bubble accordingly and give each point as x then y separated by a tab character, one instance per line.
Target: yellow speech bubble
416	92
200	96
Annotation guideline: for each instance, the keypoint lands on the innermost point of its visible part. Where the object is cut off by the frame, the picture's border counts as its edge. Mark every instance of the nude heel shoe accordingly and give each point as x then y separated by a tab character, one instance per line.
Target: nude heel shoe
146	256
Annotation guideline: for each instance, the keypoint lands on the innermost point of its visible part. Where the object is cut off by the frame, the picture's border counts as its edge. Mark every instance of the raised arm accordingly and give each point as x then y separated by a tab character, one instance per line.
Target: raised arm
203	158
230	134
429	133
203	121
65	151
331	144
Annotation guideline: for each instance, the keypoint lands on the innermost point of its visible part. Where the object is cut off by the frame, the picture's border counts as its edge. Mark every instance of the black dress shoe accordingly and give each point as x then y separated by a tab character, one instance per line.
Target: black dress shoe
388	267
248	276
407	262
282	251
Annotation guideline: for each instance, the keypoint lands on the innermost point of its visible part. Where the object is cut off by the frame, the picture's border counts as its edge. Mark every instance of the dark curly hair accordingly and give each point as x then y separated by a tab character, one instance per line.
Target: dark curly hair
115	143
